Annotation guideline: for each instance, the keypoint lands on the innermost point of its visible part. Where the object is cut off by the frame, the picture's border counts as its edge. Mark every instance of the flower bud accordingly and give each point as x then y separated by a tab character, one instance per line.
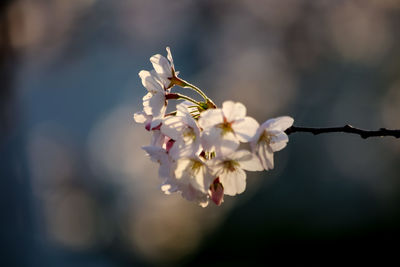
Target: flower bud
217	192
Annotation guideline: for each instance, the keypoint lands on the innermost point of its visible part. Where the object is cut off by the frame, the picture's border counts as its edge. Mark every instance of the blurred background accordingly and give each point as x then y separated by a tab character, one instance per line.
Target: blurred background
77	190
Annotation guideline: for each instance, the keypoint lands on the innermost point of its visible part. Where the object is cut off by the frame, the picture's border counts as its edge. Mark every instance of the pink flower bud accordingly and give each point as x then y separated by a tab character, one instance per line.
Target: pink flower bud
217	192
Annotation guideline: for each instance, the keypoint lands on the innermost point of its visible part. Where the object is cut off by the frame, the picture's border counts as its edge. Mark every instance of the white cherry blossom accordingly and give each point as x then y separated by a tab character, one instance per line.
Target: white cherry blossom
194	171
184	130
194	179
270	138
230	170
164	68
224	128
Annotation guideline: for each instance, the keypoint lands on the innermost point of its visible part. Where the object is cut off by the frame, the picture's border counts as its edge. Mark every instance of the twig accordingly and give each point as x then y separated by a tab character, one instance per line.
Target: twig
345	129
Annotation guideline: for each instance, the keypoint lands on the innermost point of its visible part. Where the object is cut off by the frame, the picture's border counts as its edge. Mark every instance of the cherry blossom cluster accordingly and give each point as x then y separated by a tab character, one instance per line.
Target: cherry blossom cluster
197	145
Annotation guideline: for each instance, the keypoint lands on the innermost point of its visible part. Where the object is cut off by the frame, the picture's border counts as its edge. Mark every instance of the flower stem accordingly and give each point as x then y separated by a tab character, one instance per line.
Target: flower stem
195	88
183	83
180	96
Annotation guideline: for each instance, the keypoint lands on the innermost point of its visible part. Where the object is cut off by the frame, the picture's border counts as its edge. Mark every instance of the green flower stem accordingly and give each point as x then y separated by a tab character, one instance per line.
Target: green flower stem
183	83
195	88
189	99
184	97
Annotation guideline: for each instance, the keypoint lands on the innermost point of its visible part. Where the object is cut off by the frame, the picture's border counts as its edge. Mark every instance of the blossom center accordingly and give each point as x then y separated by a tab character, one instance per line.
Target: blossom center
225	127
230	165
189	133
265	137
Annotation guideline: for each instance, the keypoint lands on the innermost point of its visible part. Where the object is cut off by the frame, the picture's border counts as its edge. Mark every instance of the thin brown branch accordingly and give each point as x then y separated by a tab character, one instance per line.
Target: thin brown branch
345	129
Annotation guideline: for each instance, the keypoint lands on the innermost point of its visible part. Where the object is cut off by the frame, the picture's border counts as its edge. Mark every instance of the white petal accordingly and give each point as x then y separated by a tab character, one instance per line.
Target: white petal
149	82
187	108
203	180
181	168
265	155
174	151
279	124
146	103
156	153
190	149
190	122
278	141
164	172
215	166
233	111
168	188
191	194
184	111
182	149
227	144
221	144
157	139
154	104
161	66
242	155
188	192
156	121
234	182
173	126
169	56
170	185
247	160
254	140
141	117
210	117
210	138
245	128
156	77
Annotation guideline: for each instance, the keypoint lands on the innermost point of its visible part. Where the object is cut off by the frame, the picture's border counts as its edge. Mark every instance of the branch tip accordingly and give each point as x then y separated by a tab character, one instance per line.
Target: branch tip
345	129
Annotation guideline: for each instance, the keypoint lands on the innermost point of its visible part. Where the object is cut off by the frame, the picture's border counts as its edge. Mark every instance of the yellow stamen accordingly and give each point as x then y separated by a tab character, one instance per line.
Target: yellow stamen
196	166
